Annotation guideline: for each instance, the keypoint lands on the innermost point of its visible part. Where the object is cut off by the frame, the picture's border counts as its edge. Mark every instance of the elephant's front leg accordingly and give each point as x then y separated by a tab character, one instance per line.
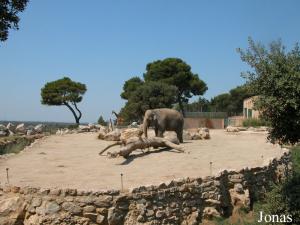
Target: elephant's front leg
160	133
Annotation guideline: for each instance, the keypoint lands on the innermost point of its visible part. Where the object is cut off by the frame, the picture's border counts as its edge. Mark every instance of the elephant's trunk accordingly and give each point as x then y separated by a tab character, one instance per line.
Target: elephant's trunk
145	127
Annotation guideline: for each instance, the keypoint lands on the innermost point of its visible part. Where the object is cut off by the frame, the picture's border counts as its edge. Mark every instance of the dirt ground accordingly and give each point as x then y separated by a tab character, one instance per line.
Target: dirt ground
72	161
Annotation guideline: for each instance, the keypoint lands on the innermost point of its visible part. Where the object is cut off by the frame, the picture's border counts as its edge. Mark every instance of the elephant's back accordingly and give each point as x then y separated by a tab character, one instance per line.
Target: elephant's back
171	113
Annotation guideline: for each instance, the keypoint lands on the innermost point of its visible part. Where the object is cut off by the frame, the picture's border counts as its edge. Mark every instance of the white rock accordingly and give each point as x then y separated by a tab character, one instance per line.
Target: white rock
11	127
21	128
91	126
39	128
204	133
3	131
187	135
59	132
113	135
84	128
11	133
66	131
30	132
196	136
232	129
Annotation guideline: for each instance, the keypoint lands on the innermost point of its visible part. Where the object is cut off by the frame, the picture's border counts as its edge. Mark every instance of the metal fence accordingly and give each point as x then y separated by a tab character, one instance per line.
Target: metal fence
209	115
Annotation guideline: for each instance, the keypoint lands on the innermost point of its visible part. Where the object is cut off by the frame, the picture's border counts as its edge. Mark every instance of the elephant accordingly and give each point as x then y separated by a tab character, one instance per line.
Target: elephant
164	119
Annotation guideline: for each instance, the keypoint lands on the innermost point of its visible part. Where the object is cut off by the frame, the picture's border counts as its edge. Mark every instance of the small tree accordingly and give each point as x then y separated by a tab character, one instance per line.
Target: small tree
64	92
276	78
8	16
101	121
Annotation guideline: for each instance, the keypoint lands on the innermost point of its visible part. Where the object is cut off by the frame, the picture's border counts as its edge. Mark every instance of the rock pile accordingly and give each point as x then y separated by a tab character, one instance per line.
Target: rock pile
3	131
199	134
20	129
83	129
233	129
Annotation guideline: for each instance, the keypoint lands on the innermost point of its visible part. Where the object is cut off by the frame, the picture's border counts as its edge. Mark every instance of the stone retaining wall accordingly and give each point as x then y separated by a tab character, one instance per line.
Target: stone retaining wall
17	143
185	201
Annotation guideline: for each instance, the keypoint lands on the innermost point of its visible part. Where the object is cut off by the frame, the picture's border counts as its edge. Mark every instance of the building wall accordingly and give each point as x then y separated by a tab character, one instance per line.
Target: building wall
236	121
248	110
191	123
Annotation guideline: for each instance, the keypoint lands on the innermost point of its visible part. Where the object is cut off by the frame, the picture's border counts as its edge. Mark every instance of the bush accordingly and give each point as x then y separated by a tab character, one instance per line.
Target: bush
285	198
101	121
73	126
251	122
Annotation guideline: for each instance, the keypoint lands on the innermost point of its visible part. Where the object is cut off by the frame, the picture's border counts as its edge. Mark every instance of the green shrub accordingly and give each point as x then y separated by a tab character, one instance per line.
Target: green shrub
284	198
101	121
251	122
73	126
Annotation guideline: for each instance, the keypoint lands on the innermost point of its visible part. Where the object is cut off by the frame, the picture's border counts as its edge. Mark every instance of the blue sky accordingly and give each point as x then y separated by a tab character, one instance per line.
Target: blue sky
104	43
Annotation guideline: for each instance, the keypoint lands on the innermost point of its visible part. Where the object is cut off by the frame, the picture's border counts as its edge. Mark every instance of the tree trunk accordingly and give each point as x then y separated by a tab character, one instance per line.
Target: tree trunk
77	118
181	106
142	143
80	114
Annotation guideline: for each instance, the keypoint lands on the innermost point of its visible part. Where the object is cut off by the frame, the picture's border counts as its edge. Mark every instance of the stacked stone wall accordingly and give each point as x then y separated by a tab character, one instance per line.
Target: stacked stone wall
183	201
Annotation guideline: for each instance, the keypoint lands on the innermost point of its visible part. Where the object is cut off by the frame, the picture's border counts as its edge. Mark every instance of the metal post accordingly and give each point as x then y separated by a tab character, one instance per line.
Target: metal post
7	176
122	187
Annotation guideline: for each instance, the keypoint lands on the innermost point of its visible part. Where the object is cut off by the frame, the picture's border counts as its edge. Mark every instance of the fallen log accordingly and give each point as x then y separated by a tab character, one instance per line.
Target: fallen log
143	143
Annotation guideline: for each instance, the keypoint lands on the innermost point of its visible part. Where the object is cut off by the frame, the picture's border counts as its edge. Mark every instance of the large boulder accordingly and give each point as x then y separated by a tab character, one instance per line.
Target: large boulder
59	132
21	128
101	135
115	216
12	210
196	136
92	126
232	129
30	130
3	131
83	128
204	133
11	127
101	128
113	135
199	134
39	128
187	135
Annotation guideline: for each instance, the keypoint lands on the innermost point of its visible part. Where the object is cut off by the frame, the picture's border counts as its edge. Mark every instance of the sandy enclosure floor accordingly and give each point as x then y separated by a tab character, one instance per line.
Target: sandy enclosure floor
72	161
